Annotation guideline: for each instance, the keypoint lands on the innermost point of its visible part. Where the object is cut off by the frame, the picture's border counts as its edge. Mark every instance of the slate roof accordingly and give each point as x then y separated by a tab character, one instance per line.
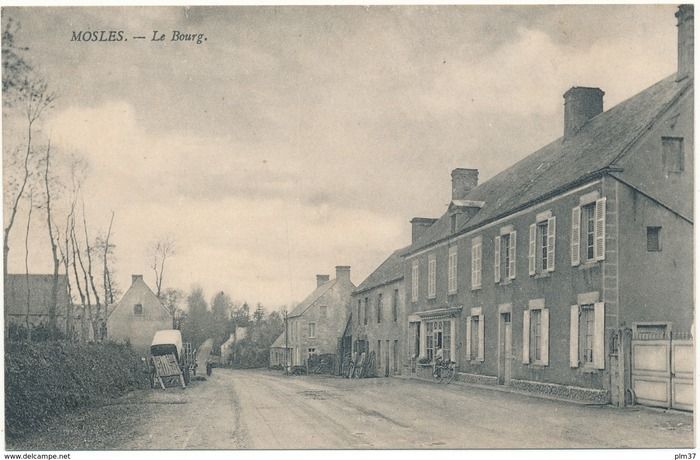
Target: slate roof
279	343
389	270
313	297
600	143
15	295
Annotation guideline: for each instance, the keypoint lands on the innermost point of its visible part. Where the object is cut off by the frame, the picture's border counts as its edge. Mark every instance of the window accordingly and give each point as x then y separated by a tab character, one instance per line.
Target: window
414	281
312	330
312	351
452	270
588	232
359	310
653	239
475	335
587	336
586	328
431	276
476	263
542	239
138	310
323	311
438	336
453	223
672	154
395	306
365	315
542	246
536	335
504	256
379	353
380	307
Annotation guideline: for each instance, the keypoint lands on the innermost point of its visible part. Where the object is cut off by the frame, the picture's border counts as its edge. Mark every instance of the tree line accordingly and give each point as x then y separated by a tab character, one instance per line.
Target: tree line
241	336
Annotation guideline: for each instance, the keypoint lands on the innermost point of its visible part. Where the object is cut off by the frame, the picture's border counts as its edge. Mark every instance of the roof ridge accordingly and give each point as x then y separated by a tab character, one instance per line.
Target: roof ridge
662	111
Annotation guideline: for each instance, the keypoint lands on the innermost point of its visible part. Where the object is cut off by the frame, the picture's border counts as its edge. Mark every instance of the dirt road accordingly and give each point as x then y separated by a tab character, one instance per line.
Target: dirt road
236	409
260	409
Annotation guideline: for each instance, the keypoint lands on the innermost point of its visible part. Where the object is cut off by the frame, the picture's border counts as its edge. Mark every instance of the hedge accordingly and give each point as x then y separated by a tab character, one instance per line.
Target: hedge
46	379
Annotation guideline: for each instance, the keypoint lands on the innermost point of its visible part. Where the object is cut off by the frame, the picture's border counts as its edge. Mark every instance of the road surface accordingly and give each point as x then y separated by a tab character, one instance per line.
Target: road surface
236	409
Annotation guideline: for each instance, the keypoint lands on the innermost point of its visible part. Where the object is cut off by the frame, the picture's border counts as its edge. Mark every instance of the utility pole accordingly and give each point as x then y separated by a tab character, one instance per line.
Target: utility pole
286	345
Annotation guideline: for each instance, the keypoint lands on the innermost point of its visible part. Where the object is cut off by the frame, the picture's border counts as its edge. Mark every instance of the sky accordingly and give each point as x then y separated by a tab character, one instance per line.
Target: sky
295	139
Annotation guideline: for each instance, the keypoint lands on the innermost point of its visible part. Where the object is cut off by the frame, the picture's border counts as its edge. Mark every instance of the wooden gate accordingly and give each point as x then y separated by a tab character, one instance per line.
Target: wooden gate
662	369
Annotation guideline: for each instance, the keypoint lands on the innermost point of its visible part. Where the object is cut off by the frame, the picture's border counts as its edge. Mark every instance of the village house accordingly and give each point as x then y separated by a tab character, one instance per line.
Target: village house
550	276
379	314
317	323
27	299
137	316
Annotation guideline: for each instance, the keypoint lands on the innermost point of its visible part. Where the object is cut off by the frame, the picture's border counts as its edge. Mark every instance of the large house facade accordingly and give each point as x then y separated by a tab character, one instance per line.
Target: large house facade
379	314
527	279
317	323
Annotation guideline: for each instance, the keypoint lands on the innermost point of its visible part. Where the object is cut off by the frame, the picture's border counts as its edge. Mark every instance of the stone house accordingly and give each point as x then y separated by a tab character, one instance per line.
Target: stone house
379	314
529	278
318	322
137	316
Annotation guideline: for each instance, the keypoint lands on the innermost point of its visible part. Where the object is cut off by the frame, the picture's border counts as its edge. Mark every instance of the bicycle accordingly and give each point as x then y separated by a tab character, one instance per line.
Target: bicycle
444	371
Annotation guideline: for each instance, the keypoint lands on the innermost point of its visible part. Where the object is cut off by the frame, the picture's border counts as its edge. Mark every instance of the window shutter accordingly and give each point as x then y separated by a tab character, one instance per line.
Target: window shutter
575	236
545	337
497	258
511	256
551	240
573	337
526	337
478	264
469	338
480	355
599	230
599	336
474	256
533	248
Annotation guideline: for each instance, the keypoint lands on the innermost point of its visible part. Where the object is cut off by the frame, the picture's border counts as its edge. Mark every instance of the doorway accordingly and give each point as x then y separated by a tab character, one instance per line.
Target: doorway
505	348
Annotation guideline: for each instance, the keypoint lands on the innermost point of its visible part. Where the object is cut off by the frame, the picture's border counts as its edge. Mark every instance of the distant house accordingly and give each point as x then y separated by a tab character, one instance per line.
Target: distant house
228	347
38	290
316	324
138	315
379	315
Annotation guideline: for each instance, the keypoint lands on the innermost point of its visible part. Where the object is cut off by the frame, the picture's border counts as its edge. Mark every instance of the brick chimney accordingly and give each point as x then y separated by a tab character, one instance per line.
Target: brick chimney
419	225
322	279
580	105
685	42
463	181
135	278
342	272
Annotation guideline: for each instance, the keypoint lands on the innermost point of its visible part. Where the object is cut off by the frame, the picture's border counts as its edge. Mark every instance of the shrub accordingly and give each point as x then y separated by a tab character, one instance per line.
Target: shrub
50	378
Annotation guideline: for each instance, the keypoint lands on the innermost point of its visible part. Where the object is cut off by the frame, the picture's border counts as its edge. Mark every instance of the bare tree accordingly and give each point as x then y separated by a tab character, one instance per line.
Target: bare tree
161	251
14	67
106	272
53	240
171	299
26	263
97	317
36	98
